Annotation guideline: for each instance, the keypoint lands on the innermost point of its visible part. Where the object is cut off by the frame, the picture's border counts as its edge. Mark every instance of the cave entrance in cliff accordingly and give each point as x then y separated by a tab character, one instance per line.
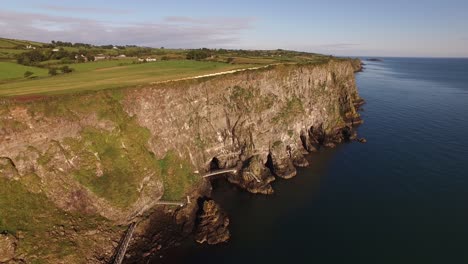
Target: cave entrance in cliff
269	163
346	134
214	164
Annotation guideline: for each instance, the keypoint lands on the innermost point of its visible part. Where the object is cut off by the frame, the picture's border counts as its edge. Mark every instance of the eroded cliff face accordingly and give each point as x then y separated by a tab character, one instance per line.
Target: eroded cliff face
250	119
110	156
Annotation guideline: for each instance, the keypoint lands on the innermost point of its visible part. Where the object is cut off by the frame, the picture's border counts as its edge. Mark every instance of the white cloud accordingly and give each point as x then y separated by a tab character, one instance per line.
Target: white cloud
177	32
83	9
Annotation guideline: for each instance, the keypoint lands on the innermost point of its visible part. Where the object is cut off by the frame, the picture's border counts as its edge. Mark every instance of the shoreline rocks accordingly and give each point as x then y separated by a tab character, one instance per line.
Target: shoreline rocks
212	225
254	176
280	162
362	140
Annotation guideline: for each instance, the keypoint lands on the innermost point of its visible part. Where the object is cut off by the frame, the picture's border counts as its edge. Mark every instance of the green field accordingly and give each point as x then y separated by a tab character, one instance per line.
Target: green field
10	70
112	74
12	43
118	72
8	43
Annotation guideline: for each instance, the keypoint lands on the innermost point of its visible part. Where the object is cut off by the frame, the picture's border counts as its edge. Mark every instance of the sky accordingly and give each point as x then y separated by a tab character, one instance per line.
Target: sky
409	28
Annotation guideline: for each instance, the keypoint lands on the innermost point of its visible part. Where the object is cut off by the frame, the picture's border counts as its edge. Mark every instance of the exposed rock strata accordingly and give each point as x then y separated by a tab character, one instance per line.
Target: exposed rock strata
7	248
254	176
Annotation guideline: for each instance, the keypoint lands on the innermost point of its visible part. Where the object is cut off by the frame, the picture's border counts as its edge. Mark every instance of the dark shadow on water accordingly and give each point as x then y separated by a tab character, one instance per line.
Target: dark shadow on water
255	219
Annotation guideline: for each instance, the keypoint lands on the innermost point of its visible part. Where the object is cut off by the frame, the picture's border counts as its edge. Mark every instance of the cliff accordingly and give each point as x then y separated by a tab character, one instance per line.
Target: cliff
76	167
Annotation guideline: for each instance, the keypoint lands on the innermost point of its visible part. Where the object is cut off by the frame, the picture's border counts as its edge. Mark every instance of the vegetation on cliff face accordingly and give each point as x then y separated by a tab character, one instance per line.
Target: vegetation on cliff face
292	108
178	177
250	99
46	234
120	159
114	161
111	160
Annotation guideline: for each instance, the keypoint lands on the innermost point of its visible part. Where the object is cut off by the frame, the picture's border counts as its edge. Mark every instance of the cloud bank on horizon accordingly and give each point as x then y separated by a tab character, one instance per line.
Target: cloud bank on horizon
339	27
176	32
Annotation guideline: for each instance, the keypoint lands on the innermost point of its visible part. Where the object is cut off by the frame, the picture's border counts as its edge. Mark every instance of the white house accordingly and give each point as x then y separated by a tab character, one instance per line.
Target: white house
55	50
81	56
147	59
100	57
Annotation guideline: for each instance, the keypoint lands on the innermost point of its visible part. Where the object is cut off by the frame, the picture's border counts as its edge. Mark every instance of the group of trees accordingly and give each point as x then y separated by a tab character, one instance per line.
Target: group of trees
63	69
199	54
34	57
137	52
67	44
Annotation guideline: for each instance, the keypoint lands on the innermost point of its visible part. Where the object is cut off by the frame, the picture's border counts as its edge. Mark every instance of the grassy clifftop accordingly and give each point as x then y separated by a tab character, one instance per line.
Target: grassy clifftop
25	66
104	75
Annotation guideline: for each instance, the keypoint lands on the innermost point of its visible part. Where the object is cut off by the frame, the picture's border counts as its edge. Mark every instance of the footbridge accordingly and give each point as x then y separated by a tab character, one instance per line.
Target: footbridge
219	172
122	249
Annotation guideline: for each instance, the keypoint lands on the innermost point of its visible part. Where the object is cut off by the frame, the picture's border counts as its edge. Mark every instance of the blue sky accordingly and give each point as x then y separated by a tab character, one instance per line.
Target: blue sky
352	28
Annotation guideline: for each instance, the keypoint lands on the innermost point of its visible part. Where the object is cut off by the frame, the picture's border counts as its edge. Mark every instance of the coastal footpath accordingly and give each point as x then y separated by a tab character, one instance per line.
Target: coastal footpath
77	169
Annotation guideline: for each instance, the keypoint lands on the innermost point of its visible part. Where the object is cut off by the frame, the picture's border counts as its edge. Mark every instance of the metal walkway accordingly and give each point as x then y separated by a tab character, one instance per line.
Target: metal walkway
122	249
218	172
170	203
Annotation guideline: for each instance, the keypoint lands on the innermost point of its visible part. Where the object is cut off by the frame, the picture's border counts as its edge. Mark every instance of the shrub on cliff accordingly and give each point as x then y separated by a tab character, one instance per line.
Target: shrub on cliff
66	69
52	71
28	74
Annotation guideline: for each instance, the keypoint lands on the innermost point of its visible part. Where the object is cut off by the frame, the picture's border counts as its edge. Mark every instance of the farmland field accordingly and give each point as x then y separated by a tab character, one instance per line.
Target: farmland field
10	70
112	74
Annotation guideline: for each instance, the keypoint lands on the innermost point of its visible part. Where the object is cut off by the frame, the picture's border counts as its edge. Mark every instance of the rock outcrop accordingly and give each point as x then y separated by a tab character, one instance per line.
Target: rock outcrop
7	248
212	227
254	176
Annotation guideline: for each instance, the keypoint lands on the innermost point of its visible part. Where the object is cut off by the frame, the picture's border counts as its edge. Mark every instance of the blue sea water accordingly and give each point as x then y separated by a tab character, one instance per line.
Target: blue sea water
400	198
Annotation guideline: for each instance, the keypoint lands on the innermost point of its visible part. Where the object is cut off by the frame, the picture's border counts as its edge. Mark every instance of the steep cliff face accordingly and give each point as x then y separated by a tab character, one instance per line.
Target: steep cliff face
110	156
259	117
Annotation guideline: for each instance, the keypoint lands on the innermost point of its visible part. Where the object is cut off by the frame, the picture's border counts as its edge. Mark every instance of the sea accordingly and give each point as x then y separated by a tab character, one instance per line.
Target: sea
400	198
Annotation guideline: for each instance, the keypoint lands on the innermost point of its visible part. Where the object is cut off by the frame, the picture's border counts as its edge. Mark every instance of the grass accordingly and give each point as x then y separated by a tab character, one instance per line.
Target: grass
95	65
12	43
10	70
110	74
242	60
121	154
177	175
7	43
123	168
34	218
11	52
292	109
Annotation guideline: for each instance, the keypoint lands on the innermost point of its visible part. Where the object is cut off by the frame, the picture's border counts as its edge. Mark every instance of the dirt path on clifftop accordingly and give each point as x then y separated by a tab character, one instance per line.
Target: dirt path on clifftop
216	74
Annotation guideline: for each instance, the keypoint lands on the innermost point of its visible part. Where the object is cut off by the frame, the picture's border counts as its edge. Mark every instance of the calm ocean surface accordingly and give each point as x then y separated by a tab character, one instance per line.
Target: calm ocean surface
400	198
